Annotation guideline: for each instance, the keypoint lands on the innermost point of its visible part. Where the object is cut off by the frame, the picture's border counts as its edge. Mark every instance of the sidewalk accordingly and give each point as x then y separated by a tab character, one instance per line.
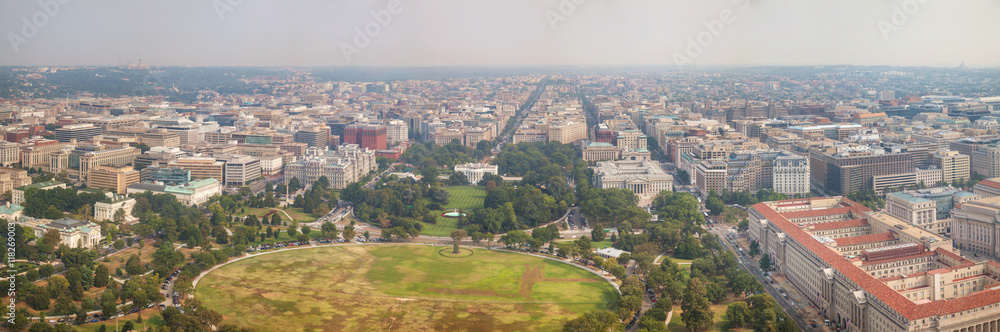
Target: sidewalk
802	306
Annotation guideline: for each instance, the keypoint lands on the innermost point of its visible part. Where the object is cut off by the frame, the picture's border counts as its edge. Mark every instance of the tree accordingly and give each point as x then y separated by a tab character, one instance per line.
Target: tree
143	147
329	229
697	313
20	319
294	184
292	231
597	233
306	230
349	233
129	326
738	314
134	265
715	293
714	205
765	262
52	213
57	286
595	321
457	236
119	216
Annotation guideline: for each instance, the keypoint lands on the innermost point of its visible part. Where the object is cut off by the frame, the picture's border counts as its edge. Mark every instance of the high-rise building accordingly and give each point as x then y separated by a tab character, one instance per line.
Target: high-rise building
113	178
348	164
791	175
397	131
367	136
986	161
79	132
954	166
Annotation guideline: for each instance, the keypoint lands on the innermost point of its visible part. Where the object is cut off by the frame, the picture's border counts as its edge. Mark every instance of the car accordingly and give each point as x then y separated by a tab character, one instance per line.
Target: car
93	321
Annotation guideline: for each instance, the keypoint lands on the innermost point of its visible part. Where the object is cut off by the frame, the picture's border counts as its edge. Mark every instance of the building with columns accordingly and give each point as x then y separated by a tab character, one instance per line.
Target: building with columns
639	174
475	171
870	271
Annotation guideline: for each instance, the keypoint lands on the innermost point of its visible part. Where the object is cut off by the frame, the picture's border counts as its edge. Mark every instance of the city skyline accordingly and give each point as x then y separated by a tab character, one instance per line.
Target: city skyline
513	33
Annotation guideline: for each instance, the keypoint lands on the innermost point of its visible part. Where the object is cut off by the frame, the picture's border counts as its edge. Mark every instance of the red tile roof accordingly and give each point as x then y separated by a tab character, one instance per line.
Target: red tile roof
878	289
867	238
839	224
989	183
903	258
815	213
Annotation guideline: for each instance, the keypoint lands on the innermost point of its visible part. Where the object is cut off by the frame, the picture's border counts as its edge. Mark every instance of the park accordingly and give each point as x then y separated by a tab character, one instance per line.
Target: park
402	287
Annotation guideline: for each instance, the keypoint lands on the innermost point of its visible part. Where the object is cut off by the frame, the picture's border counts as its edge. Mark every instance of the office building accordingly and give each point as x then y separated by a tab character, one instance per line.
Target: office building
474	171
10	153
954	166
844	169
78	132
986	161
642	176
239	170
313	136
91	159
869	271
372	137
112	178
348	164
11	178
975	226
165	175
194	193
200	167
397	131
929	209
161	137
598	151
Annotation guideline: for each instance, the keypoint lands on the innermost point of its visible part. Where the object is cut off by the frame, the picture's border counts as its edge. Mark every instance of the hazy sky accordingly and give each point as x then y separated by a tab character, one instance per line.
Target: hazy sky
500	32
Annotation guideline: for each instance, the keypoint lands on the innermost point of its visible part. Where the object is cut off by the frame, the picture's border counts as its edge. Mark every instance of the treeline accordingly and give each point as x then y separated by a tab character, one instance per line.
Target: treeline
50	204
396	203
522	158
449	154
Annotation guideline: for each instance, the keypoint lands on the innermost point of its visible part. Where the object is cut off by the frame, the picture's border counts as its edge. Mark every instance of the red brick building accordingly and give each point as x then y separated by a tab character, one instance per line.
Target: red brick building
367	136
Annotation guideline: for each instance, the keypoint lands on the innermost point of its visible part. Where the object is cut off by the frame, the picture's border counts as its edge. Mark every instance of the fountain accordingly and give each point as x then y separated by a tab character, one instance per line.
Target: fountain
453	214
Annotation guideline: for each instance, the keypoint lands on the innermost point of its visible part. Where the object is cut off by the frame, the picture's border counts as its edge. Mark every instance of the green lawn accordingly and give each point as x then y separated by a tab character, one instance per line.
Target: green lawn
444	226
466	197
404	288
294	212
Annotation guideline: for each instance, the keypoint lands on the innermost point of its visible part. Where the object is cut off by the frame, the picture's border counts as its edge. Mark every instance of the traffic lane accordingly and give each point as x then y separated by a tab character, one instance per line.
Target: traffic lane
755	271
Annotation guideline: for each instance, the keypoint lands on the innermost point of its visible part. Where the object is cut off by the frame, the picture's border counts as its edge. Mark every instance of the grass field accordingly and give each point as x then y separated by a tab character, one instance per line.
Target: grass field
466	197
294	212
462	198
404	288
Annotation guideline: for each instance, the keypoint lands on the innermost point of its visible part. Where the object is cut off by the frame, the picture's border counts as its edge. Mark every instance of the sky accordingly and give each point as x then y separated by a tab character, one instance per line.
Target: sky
407	33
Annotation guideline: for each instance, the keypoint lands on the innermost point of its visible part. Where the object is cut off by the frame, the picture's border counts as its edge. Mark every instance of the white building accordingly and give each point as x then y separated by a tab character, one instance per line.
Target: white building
73	233
644	177
195	192
348	164
240	170
475	171
791	175
106	209
397	131
271	165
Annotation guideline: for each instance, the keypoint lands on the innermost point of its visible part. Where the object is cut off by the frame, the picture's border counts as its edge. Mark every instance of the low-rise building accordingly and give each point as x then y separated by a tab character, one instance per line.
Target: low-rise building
474	171
106	209
642	176
195	192
72	233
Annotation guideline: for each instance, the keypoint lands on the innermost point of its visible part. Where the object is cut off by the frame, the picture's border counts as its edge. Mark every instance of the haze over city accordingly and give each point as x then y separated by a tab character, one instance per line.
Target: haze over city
499	33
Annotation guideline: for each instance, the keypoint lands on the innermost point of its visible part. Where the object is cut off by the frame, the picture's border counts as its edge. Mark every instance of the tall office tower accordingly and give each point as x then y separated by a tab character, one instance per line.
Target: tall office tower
397	131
